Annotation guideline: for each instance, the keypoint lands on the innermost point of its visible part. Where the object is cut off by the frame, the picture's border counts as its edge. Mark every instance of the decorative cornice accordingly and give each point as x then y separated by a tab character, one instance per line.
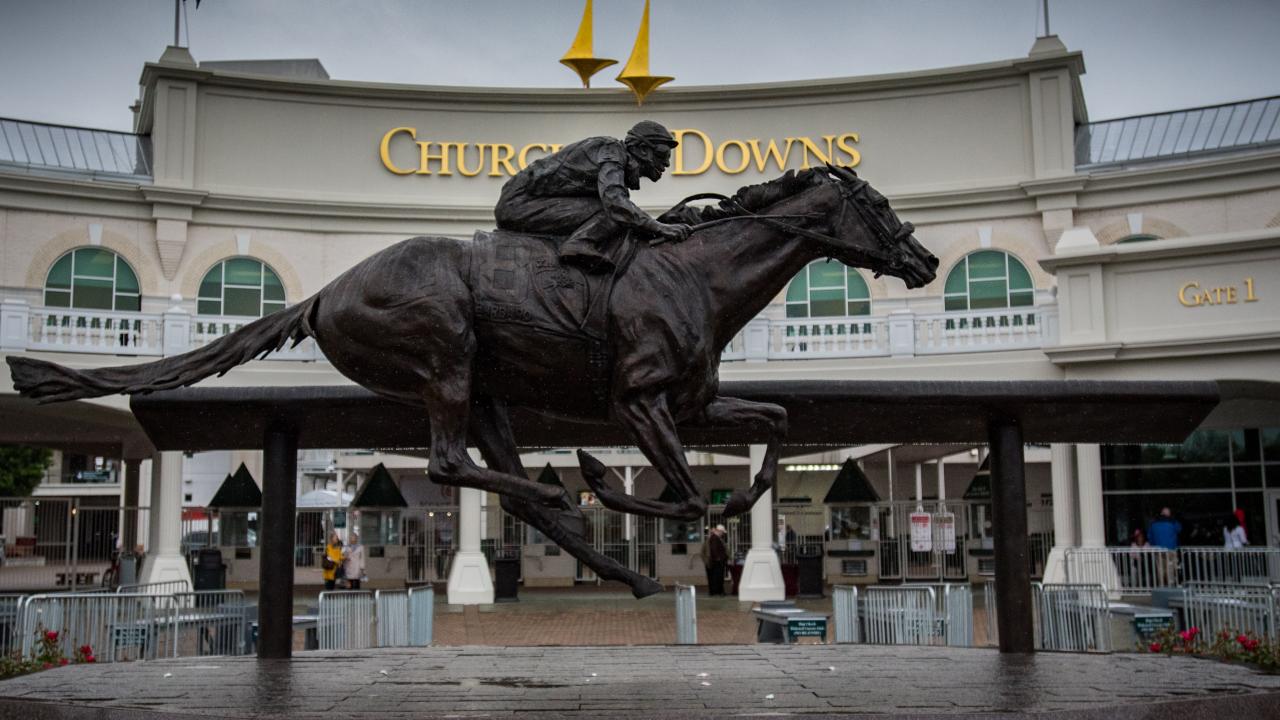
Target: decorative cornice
1152	349
174	196
1197	245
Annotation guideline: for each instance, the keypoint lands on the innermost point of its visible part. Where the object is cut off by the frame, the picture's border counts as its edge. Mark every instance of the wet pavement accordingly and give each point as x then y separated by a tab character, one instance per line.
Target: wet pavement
651	681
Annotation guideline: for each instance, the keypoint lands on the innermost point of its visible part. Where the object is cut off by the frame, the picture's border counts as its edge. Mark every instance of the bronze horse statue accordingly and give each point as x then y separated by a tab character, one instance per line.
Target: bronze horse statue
466	329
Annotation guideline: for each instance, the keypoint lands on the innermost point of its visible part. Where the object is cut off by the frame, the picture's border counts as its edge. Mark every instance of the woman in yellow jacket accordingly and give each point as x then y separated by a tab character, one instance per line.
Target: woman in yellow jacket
332	560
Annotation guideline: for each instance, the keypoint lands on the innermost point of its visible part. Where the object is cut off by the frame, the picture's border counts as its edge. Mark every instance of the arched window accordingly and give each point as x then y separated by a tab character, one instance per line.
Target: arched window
240	286
92	278
986	280
827	288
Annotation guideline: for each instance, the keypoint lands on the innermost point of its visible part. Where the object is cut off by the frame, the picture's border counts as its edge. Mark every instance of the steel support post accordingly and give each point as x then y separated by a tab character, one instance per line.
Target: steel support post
275	560
1013	566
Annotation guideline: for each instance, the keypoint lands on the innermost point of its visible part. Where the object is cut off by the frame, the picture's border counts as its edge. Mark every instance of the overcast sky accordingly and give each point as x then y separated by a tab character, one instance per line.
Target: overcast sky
78	62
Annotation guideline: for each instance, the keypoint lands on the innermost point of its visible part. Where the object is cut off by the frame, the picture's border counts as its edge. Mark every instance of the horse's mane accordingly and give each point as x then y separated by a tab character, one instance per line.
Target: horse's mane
755	198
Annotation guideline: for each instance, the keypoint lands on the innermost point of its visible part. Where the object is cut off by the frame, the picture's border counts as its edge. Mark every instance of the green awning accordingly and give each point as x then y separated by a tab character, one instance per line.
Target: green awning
850	486
238	491
980	486
379	491
549	476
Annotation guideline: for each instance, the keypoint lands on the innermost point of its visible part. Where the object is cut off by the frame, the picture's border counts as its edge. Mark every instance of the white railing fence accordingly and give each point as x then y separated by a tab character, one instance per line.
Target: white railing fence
1072	617
1137	571
167	587
1237	608
117	627
899	615
346	620
686	615
94	331
844	613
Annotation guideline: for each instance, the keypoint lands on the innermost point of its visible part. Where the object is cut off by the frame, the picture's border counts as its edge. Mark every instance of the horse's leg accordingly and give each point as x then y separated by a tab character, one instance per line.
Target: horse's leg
654	431
733	412
491	431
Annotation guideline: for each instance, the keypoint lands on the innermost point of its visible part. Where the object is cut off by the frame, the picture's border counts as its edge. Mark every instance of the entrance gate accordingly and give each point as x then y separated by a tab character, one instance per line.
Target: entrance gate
607	531
429	537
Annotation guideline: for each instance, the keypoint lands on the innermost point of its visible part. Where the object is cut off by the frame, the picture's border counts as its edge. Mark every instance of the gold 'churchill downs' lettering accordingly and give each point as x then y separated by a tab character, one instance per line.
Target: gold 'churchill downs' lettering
403	152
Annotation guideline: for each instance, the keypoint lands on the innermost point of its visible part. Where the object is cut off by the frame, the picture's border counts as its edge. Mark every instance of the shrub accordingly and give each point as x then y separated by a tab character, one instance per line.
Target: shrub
1228	645
46	654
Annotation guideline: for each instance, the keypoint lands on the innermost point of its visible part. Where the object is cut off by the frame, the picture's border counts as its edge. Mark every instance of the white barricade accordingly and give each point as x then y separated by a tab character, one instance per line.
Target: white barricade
346	620
686	615
899	615
422	605
392	607
168	587
844	613
989	606
1072	618
952	612
1237	608
210	622
116	627
9	637
1235	566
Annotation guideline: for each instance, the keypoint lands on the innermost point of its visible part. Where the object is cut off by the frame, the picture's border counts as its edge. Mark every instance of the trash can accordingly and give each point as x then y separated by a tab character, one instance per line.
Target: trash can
506	581
210	573
128	569
809	560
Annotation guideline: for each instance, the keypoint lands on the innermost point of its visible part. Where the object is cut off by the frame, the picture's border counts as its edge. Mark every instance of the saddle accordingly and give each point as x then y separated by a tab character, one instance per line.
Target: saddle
518	278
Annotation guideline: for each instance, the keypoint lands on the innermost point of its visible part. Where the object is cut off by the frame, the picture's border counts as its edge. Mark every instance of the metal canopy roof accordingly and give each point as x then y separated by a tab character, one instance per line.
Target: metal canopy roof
822	413
1180	133
96	153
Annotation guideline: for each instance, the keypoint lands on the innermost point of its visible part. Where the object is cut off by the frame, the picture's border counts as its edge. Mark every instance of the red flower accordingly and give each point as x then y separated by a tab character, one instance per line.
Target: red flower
1242	639
91	659
86	650
63	661
1194	631
51	636
1156	647
1187	636
48	665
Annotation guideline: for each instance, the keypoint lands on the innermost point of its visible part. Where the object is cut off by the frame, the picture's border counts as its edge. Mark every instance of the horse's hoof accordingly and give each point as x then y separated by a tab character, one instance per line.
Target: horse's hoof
645	587
739	503
590	466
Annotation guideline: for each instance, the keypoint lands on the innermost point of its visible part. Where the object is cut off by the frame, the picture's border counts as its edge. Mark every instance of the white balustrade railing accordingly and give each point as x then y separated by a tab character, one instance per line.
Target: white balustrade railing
94	331
795	338
981	330
205	329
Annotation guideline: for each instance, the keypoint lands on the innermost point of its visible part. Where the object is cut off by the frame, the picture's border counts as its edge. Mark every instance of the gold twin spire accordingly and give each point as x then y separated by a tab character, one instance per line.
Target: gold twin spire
634	75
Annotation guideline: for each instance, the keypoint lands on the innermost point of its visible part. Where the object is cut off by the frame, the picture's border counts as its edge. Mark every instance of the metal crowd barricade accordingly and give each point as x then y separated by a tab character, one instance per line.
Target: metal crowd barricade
899	615
989	607
844	612
1238	608
392	608
117	627
1137	570
952	612
1244	566
167	587
209	622
422	605
9	639
686	615
346	620
1073	618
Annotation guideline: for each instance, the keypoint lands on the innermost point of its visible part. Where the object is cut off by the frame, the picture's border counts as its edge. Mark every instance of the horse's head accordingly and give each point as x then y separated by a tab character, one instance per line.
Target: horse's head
869	234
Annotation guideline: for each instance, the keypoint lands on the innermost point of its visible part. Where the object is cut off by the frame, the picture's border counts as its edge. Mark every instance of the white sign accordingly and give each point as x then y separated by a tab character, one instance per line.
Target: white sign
946	532
921	532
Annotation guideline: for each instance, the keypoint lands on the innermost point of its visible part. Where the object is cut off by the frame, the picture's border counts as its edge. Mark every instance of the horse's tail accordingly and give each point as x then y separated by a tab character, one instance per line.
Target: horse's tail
49	382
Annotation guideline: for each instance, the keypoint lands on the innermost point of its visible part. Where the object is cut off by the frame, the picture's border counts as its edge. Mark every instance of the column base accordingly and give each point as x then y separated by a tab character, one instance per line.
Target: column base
165	568
1055	567
761	577
469	580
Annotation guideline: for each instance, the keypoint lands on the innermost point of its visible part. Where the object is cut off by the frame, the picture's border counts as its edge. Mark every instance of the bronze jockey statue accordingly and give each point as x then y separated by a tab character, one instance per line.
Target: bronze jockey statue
582	194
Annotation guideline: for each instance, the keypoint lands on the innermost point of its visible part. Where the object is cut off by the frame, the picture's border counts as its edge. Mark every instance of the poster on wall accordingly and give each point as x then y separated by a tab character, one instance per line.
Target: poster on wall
946	523
921	532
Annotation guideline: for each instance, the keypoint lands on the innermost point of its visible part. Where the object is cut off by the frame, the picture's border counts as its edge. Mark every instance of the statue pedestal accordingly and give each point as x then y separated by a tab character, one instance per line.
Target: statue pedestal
469	580
761	577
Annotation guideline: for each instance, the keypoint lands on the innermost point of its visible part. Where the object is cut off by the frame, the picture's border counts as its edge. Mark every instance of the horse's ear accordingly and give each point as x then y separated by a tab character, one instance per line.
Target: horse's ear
842	172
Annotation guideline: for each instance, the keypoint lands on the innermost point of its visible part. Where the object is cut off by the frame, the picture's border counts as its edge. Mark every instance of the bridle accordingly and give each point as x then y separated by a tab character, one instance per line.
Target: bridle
889	253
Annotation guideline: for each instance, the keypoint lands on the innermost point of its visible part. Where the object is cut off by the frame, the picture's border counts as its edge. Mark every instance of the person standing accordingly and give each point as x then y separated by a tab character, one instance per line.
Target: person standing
331	560
1164	530
353	562
717	560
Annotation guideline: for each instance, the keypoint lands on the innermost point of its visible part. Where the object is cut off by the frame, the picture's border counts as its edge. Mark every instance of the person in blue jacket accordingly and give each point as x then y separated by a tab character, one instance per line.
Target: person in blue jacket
1164	530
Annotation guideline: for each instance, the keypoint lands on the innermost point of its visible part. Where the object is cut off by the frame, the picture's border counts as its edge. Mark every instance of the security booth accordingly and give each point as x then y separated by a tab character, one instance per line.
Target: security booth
678	552
234	512
853	528
981	552
542	562
375	514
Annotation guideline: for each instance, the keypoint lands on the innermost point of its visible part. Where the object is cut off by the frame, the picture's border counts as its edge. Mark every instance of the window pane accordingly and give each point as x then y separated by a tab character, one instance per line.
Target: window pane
211	285
60	274
1019	278
1248	476
94	262
270	307
826	303
128	302
956	302
57	298
798	290
857	287
92	293
1201	515
986	264
271	287
1022	299
1203	446
826	273
1166	478
797	310
242	301
1245	446
988	294
859	307
957	281
126	281
209	307
243	271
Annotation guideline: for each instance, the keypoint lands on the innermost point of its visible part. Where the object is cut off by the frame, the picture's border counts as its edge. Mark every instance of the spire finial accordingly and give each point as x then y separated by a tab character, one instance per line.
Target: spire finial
636	73
580	57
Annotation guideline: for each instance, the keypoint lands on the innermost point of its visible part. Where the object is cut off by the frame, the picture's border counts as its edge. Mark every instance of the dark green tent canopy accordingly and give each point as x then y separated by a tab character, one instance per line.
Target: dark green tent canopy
850	486
379	491
238	491
980	486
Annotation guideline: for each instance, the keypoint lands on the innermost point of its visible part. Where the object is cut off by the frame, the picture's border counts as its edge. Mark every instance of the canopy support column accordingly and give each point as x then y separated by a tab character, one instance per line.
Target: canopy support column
275	564
1013	566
